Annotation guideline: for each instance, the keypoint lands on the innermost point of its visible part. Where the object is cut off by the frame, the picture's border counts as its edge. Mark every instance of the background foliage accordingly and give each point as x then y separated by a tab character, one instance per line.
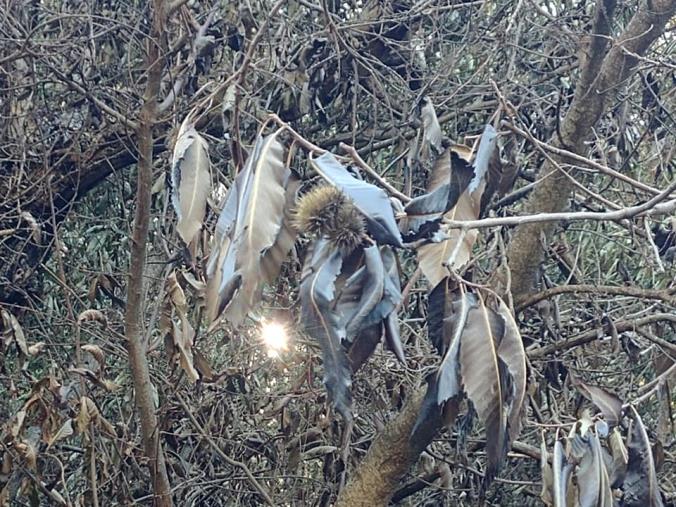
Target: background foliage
72	75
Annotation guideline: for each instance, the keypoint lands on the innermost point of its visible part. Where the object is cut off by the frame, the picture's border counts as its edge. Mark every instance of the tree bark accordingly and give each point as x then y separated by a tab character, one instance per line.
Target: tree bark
133	319
601	78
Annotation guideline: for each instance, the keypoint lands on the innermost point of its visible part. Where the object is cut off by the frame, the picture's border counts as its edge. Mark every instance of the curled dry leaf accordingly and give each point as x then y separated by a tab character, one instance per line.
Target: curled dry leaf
640	487
65	431
482	358
608	403
98	354
92	315
13	330
34	226
432	134
322	321
183	336
253	233
190	180
454	248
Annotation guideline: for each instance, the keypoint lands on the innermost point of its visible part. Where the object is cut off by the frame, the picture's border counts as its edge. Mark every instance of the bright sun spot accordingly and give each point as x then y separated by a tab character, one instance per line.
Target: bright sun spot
275	338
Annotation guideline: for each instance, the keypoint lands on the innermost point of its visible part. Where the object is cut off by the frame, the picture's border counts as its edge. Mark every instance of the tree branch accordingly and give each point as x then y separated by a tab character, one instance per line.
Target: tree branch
133	318
601	79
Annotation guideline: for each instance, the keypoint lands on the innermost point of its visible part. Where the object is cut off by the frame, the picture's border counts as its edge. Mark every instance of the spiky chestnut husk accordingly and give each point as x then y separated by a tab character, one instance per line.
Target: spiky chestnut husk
348	228
316	209
326	211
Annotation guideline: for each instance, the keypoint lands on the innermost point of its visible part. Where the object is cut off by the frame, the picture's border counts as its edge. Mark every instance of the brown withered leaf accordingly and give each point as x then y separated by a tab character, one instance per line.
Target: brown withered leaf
485	377
183	341
364	344
593	483
512	352
608	403
445	187
323	323
14	331
640	486
432	134
436	259
249	226
92	315
190	180
203	367
561	471
454	249
620	457
98	354
87	412
65	431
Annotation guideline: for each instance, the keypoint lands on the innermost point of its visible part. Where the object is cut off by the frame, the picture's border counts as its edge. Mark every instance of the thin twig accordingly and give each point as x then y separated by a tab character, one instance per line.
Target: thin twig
233	462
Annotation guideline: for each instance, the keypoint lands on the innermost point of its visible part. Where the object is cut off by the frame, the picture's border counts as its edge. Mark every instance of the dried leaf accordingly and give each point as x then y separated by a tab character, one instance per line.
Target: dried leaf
432	134
546	494
322	322
203	367
437	258
36	348
486	378
620	458
13	329
608	403
88	412
190	180
561	471
248	229
592	476
97	352
364	344
512	352
92	315
183	340
427	209
370	200
65	431
34	226
640	487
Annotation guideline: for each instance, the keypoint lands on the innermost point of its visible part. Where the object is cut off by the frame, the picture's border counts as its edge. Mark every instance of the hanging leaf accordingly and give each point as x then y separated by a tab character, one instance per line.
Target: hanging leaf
457	307
190	180
431	129
364	344
620	457
370	200
608	403
323	323
512	352
486	379
362	292
561	471
248	228
593	483
65	431
442	195
436	259
14	331
487	147
184	335
640	484
453	250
